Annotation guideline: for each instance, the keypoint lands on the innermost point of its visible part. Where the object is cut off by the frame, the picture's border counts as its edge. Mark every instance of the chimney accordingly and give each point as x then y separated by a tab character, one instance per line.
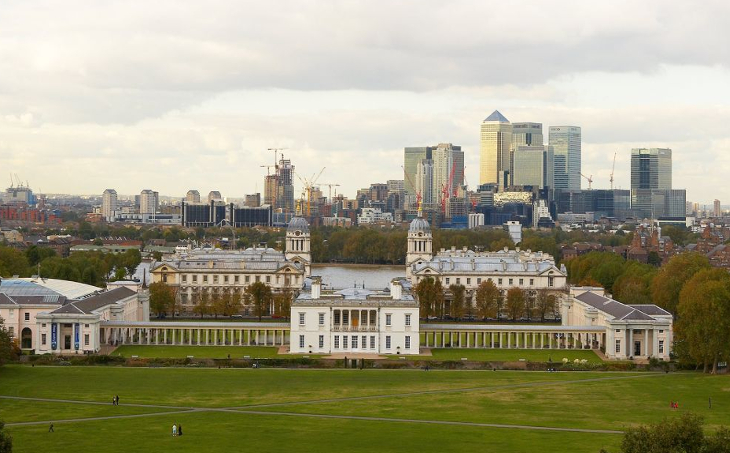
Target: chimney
316	287
396	290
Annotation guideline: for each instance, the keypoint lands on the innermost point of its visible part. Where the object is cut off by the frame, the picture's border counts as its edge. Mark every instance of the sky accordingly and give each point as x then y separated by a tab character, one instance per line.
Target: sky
178	95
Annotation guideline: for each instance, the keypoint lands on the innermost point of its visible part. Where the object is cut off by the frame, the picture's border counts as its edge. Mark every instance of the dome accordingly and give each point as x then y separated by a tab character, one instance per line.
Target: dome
419	225
298	223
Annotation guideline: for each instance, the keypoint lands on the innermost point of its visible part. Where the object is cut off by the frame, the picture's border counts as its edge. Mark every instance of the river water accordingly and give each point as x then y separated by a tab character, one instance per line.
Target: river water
346	276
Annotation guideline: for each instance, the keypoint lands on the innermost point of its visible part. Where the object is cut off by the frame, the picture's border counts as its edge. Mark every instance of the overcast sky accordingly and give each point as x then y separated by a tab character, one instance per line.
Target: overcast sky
174	95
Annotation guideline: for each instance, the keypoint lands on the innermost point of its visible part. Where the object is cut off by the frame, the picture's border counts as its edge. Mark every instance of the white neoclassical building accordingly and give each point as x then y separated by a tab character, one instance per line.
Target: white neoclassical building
355	321
524	269
629	331
193	271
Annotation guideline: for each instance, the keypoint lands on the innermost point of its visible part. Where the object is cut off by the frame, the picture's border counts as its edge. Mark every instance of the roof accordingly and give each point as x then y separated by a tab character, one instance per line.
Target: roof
613	308
87	306
46	287
419	225
489	262
651	309
298	223
496	116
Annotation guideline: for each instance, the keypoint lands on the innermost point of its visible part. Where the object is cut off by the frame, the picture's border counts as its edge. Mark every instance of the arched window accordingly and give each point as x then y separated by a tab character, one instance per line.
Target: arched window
26	338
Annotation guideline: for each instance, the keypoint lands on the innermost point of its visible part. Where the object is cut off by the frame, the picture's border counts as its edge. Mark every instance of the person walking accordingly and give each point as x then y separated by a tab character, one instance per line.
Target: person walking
117	398
114	400
174	430
179	430
50	428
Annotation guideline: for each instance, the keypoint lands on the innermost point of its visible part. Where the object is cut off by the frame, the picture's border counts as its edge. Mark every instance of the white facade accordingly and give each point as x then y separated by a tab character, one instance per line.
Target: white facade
374	215
514	228
354	321
148	202
631	331
476	220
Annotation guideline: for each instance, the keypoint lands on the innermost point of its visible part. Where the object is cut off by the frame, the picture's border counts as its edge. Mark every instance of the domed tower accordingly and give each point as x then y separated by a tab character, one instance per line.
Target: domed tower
298	244
420	243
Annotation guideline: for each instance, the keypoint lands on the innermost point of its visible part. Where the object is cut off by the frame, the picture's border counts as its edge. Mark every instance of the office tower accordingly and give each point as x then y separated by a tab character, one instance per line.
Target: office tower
193	196
495	145
279	187
253	200
533	166
529	134
448	170
717	211
148	201
214	195
651	168
109	205
413	158
424	182
566	143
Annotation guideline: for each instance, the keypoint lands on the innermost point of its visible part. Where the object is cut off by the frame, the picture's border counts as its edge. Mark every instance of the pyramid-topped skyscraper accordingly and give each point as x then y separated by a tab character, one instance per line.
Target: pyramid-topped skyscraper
495	144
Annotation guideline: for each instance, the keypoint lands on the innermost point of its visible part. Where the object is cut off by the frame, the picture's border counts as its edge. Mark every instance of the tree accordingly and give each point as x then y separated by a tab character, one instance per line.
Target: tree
488	296
12	262
668	283
681	435
8	349
515	303
704	317
545	303
456	307
426	294
260	294
6	442
202	304
163	298
282	304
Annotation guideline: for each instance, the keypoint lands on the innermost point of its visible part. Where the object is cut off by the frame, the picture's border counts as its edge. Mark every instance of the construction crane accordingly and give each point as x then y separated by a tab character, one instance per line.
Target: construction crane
613	168
446	190
418	192
308	185
330	187
590	180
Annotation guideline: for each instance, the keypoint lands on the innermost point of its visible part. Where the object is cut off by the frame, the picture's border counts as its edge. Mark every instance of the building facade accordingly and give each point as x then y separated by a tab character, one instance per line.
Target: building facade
148	201
566	143
495	144
109	205
355	321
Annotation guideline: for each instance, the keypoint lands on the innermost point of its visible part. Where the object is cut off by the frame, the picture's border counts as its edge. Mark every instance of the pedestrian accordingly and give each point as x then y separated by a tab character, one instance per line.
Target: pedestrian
117	398
50	428
709	401
114	400
179	430
174	430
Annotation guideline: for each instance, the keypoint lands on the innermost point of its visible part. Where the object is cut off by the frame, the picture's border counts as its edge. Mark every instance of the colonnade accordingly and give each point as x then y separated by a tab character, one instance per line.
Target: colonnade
504	338
203	334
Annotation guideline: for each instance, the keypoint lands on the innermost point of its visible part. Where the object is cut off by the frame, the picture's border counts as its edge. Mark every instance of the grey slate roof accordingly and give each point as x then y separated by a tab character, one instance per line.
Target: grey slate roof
496	262
87	306
613	308
651	309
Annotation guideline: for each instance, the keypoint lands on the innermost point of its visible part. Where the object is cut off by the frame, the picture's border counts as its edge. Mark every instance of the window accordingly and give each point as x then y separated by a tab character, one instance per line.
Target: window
321	319
532	282
364	342
301	341
337	317
468	281
551	281
372	342
345	317
499	281
408	342
268	279
225	279
387	342
43	338
344	342
388	319
522	281
205	279
661	331
337	342
27	316
43	325
86	339
618	346
301	319
408	319
458	281
510	281
248	279
184	278
235	279
479	281
195	279
86	325
447	280
321	341
354	342
661	346
258	278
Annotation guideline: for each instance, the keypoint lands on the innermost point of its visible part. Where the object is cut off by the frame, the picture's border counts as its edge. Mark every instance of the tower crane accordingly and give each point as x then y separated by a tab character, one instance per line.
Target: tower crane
589	179
308	185
330	187
613	168
418	192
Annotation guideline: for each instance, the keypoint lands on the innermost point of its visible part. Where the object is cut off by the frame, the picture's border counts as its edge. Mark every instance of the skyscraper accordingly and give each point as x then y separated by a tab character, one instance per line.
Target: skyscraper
412	158
717	209
533	166
566	143
448	169
495	145
279	187
109	205
148	201
529	134
651	168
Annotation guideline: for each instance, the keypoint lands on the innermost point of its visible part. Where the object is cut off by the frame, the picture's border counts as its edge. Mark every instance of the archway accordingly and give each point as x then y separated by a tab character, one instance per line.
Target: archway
26	338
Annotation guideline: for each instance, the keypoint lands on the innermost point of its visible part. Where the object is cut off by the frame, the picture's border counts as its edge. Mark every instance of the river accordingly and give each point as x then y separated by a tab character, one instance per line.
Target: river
346	276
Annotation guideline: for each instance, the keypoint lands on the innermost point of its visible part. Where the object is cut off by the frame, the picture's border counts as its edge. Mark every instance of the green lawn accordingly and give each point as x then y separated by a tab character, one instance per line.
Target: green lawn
200	352
510	355
590	400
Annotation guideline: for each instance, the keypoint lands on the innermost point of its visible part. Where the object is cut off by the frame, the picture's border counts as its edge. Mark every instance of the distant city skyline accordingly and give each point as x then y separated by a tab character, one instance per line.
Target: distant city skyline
125	95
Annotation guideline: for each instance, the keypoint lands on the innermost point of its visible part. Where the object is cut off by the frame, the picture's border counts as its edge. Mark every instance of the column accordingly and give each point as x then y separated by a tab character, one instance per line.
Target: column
509	340
542	340
630	346
491	335
198	336
468	334
646	342
164	336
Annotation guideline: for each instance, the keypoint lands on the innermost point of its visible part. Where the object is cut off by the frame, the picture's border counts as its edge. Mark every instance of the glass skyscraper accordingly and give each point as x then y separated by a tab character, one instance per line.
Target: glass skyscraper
495	145
566	143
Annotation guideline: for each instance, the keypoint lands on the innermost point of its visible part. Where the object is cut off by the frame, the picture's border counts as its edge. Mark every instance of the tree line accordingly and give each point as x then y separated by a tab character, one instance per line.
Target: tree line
92	268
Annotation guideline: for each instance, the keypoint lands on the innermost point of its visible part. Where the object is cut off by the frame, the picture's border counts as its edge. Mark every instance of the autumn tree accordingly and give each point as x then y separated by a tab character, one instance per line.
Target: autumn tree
9	350
668	283
704	317
439	301
202	303
282	304
6	441
224	303
426	294
487	299
545	303
682	434
260	294
163	298
515	303
456	308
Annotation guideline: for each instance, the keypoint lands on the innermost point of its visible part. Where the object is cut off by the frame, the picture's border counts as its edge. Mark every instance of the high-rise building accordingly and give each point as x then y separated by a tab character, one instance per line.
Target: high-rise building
253	200
193	196
214	195
566	143
424	182
651	168
448	170
109	205
717	211
412	159
495	145
279	187
533	166
148	201
529	134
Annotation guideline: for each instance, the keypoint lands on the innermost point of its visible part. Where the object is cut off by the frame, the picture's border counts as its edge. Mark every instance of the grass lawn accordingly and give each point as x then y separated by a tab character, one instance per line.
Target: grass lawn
591	400
200	352
508	355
